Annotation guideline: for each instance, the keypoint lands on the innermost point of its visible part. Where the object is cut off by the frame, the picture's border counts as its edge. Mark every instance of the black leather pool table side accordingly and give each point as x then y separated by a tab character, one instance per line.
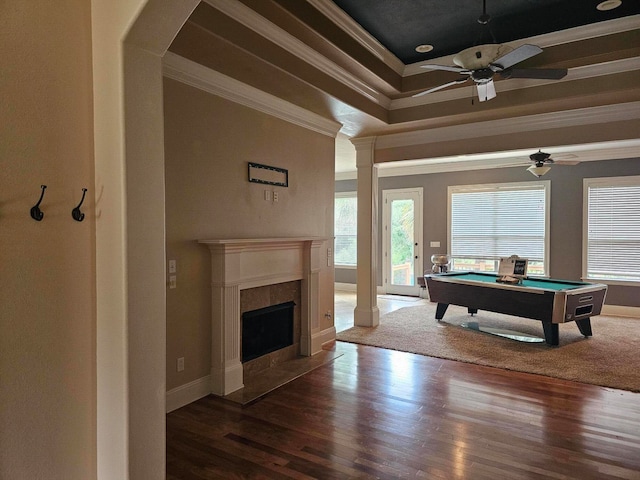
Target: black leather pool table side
551	307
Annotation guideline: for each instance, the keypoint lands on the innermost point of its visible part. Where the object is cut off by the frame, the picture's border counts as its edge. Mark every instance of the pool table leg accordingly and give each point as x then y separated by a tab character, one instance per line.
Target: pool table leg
551	333
440	309
584	325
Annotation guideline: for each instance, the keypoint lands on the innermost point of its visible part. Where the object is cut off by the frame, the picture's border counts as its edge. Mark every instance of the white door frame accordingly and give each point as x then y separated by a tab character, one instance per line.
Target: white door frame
415	194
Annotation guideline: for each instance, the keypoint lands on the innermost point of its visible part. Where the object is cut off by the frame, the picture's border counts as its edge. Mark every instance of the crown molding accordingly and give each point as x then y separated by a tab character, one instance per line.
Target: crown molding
516	159
191	73
256	22
330	10
616	150
529	123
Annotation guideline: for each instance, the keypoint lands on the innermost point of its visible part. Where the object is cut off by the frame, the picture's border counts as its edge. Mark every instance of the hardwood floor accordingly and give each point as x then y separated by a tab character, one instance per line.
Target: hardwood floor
375	413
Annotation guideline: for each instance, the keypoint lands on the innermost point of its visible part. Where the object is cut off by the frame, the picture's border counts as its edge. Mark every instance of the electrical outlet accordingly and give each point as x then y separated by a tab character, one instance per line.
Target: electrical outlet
180	364
172	281
172	266
275	196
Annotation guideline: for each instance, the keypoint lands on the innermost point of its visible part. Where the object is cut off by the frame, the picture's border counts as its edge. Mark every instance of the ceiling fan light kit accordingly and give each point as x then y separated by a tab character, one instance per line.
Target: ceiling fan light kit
538	171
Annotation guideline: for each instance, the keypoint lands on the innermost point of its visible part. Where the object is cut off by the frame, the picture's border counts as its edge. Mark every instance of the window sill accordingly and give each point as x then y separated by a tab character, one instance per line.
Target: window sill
610	281
346	267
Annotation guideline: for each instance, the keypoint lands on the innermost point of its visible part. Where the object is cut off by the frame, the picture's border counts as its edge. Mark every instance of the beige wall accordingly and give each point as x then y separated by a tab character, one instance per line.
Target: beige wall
208	142
47	294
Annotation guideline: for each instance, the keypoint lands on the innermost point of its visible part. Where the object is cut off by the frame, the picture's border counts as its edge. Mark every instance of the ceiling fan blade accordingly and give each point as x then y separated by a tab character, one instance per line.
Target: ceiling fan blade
435	89
541	73
516	56
486	91
567	162
447	68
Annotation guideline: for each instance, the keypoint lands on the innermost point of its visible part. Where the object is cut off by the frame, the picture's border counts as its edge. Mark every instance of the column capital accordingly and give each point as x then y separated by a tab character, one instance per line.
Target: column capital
363	142
365	151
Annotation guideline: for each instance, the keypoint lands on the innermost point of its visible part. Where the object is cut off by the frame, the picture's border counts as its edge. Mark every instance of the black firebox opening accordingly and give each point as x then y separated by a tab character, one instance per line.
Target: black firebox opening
266	330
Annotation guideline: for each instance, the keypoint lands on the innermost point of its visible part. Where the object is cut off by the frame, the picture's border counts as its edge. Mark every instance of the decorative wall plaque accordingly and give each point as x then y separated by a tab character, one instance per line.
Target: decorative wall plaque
268	175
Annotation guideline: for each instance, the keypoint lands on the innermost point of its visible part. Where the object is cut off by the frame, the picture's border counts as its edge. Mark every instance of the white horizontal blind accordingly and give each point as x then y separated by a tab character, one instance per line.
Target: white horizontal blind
613	229
346	229
499	221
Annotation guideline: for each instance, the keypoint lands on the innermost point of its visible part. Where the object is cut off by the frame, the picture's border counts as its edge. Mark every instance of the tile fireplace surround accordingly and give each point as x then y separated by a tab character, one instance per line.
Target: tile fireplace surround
239	264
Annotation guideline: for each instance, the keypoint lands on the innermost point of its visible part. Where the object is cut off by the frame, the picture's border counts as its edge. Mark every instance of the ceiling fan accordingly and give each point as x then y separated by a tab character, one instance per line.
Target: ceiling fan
480	63
540	162
540	159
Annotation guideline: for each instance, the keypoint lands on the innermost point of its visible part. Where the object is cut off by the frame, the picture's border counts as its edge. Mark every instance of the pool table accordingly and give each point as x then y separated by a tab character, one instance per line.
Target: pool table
550	301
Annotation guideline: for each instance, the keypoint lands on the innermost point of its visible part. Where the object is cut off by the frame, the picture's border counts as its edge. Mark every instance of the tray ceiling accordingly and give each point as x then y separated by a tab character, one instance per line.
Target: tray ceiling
355	62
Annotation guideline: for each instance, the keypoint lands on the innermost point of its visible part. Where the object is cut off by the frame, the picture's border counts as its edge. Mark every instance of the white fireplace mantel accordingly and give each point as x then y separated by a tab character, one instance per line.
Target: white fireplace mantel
238	264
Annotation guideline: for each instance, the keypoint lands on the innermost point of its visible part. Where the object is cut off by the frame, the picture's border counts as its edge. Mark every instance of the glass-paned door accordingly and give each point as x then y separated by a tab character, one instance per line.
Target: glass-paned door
402	241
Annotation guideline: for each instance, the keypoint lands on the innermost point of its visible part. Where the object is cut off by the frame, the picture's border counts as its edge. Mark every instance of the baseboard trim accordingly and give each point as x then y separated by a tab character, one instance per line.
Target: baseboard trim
321	338
189	392
352	287
621	311
345	287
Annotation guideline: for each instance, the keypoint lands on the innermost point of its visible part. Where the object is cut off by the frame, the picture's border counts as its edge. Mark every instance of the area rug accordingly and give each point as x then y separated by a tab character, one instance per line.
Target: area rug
610	358
399	298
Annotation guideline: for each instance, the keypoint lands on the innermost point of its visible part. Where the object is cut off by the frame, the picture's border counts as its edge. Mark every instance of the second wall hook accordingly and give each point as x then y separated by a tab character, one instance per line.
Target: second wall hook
36	213
76	213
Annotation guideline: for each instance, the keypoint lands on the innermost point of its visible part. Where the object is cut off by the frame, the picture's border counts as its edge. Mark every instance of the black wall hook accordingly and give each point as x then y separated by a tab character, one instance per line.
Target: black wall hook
76	213
36	213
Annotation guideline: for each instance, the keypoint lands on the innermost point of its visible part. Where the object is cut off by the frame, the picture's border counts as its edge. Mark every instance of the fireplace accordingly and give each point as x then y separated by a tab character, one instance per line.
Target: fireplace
266	330
242	264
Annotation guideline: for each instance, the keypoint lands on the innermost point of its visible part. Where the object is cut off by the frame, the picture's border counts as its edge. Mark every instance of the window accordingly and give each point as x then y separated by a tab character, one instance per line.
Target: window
487	222
612	228
345	229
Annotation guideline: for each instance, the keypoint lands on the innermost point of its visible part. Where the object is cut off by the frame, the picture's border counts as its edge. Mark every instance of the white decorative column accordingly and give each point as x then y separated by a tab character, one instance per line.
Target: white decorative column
366	313
238	264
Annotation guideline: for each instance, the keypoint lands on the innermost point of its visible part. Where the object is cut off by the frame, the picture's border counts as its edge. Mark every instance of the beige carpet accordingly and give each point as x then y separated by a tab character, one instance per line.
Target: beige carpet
611	357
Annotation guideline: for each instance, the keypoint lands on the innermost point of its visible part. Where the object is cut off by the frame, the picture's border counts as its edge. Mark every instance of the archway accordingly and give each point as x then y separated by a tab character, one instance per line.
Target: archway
130	294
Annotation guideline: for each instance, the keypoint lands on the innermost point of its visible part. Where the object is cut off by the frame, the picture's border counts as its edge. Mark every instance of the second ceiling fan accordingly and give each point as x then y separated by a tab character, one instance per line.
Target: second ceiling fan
480	63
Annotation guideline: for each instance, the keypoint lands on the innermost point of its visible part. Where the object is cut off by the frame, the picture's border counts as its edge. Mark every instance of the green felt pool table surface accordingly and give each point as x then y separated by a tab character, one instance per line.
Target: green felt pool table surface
547	284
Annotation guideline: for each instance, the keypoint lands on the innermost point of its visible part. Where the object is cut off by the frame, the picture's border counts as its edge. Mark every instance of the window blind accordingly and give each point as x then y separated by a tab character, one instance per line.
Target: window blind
613	230
346	230
499	222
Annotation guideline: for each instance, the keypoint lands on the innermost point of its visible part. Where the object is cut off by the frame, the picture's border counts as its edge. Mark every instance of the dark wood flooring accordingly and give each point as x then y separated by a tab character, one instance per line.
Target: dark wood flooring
375	413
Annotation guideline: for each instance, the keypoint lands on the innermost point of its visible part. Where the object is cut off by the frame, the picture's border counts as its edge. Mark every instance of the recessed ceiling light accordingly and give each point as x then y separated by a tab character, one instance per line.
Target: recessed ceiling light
609	5
424	48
